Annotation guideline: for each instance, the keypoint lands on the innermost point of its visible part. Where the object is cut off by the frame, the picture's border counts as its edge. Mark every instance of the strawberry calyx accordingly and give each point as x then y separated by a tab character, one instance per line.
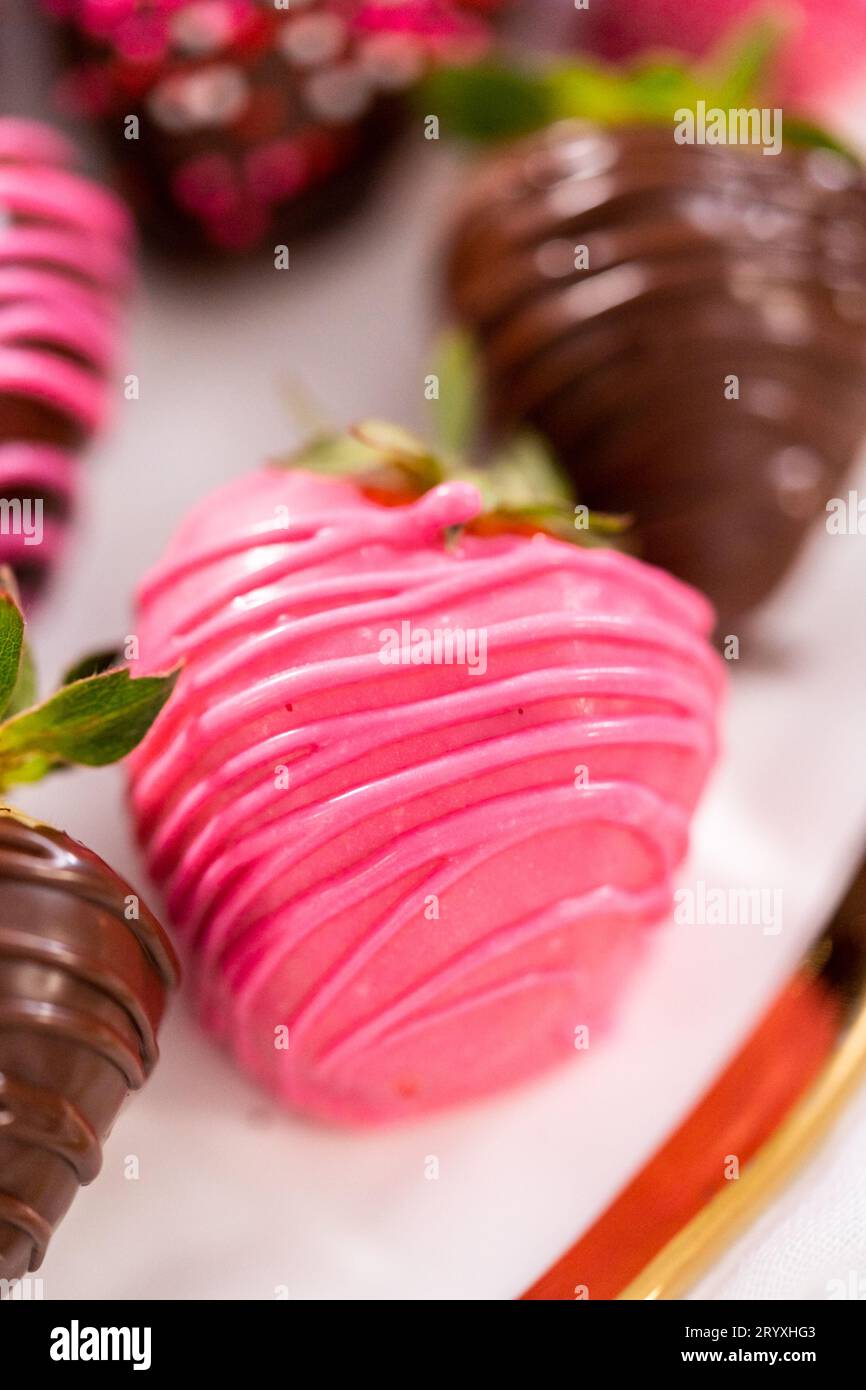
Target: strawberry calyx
491	100
98	715
521	488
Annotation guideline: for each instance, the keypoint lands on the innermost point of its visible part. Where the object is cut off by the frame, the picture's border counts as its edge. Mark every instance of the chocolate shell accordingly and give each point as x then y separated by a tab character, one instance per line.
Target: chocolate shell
83	988
252	122
702	264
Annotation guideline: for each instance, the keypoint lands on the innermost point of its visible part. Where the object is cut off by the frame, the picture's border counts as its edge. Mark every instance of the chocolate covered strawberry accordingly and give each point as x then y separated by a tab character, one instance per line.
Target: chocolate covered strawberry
252	118
681	314
85	968
417	800
64	271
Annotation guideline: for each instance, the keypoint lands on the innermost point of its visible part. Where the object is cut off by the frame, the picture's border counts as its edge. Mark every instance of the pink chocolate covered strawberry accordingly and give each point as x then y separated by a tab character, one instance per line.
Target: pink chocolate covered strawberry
418	797
64	269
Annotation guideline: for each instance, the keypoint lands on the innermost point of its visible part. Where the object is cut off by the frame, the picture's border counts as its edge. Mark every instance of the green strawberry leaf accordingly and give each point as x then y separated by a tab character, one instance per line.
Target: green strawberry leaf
807	135
524	485
591	92
391	441
489	101
740	69
329	453
93	721
26	690
93	664
16	661
378	455
11	645
521	486
457	406
528	470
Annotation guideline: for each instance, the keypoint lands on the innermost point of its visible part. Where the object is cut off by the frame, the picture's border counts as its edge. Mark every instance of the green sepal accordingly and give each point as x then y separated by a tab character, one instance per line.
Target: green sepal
11	645
376	454
18	685
26	691
93	721
456	407
487	101
93	664
491	101
521	487
739	70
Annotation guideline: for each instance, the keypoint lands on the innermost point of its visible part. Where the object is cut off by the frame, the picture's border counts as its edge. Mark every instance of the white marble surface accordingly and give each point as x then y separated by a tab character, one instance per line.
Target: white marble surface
237	1200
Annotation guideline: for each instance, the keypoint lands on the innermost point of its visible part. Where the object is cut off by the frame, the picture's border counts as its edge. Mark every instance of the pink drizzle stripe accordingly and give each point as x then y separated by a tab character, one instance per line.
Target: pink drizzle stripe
67	324
64	264
69	251
16	551
63	385
36	471
414	1010
35	466
304	906
38	192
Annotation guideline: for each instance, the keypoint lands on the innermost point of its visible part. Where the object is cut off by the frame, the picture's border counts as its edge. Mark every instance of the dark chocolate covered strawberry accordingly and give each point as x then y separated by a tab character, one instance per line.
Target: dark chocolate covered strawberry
85	968
685	322
253	117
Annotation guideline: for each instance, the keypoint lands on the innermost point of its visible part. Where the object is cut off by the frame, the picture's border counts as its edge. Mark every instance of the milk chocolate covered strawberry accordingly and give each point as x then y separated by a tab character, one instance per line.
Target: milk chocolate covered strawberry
64	271
428	769
681	314
254	118
85	968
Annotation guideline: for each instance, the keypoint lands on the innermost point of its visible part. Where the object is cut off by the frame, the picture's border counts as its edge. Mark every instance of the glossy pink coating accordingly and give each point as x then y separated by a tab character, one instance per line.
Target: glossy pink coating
28	470
406	885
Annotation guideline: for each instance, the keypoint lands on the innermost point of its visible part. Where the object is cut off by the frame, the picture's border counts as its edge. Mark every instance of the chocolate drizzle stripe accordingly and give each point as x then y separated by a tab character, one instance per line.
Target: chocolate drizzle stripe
28	947
24	1218
60	872
79	1027
34	1115
700	263
82	994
